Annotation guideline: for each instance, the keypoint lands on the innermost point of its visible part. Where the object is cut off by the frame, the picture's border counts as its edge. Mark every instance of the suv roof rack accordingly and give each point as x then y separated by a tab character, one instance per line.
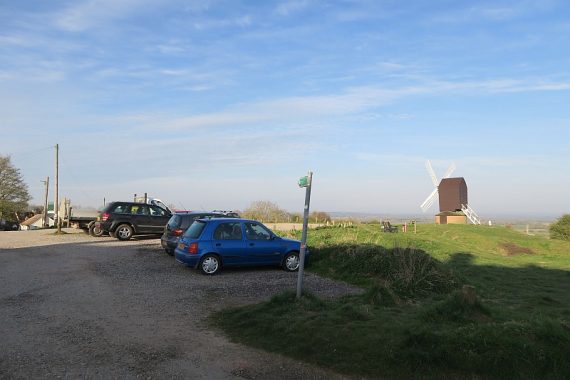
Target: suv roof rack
227	212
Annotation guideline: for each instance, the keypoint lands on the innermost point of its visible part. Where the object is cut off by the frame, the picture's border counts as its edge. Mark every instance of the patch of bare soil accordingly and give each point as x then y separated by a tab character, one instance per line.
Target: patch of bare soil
512	249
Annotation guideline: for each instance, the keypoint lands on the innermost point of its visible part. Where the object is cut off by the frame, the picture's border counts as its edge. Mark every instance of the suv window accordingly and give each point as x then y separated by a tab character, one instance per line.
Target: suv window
157	211
228	231
254	231
139	209
121	209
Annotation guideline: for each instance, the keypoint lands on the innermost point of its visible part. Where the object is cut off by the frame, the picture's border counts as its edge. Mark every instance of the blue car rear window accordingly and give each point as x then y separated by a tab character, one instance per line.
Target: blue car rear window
195	229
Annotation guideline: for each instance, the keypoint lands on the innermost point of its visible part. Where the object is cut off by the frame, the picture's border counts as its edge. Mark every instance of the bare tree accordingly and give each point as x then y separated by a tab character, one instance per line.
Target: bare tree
319	217
14	195
266	211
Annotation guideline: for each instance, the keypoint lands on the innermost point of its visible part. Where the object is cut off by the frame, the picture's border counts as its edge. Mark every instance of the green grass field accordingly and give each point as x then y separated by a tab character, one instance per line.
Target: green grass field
448	302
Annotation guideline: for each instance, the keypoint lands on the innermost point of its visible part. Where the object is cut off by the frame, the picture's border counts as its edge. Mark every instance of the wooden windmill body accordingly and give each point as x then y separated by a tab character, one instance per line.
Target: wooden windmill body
453	202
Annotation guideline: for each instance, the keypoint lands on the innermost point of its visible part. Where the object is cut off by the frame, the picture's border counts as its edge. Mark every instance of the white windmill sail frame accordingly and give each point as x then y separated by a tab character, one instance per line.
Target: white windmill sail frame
431	173
430	200
449	170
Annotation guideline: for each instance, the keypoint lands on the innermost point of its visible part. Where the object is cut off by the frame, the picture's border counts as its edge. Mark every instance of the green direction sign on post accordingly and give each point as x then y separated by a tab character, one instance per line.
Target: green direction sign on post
304	181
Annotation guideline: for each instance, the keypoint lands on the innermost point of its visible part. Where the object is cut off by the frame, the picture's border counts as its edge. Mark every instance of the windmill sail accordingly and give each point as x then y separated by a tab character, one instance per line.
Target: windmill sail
431	198
450	170
431	173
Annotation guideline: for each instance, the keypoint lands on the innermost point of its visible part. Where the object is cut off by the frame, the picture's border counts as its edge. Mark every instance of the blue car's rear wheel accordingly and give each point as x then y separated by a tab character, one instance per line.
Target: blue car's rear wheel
210	264
291	262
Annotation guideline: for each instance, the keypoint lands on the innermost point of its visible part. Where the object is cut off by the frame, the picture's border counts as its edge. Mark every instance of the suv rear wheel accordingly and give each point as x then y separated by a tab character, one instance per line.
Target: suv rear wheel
124	232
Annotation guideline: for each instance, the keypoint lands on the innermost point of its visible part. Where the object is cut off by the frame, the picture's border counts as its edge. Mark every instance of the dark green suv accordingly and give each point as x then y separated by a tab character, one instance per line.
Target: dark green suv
123	220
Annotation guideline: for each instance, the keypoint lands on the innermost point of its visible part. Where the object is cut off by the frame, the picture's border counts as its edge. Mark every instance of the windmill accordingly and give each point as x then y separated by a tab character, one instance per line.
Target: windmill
452	194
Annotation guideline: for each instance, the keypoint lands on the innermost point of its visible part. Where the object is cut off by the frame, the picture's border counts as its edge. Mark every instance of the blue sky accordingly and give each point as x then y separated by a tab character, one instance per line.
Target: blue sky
215	104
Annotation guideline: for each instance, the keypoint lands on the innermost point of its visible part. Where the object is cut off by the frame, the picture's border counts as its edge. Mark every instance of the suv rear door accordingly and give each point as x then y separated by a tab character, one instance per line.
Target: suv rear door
157	219
140	218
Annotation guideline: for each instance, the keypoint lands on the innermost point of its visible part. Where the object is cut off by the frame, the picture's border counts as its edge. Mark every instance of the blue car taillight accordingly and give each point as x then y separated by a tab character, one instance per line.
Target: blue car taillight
193	248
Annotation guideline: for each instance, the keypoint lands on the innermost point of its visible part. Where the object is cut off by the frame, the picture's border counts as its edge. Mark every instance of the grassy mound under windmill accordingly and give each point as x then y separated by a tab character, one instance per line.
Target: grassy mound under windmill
451	301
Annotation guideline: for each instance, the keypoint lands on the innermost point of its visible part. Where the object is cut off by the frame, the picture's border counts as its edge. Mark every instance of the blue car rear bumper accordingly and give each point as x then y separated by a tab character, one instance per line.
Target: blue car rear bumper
188	259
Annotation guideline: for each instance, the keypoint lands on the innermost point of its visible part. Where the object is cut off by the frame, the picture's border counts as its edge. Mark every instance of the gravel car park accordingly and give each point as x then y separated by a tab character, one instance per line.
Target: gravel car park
76	306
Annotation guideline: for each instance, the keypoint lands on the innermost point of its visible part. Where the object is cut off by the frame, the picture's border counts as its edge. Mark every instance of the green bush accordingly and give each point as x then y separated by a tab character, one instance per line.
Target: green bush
457	307
402	272
561	228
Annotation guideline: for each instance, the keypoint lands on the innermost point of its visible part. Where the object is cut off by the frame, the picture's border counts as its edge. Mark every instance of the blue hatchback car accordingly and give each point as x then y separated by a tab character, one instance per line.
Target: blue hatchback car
210	244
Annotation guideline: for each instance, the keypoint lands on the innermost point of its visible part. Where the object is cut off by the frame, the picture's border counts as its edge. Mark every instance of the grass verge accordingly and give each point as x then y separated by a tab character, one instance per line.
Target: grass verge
461	306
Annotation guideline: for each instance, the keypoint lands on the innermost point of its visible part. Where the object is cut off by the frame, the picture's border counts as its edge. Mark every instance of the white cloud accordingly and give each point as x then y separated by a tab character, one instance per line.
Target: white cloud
293	6
503	86
351	102
32	75
240	21
88	14
171	48
17	40
243	21
398	159
180	78
496	12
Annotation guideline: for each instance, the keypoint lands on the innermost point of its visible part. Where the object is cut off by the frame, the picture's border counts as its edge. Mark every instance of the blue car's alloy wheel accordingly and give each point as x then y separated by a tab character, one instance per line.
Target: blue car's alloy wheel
291	262
210	264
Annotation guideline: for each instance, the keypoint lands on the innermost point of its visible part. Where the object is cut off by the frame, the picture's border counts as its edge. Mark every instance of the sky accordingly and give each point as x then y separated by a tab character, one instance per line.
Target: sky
217	104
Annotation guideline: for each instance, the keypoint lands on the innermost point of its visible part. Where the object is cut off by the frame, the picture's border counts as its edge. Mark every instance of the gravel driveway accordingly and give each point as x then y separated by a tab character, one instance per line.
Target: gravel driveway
73	306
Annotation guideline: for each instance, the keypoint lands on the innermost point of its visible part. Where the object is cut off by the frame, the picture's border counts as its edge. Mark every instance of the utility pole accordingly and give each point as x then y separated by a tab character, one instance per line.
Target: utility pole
307	183
56	204
46	183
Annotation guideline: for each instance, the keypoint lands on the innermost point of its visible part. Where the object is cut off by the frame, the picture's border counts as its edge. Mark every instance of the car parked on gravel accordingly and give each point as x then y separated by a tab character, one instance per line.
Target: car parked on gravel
7	225
179	223
210	244
124	220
